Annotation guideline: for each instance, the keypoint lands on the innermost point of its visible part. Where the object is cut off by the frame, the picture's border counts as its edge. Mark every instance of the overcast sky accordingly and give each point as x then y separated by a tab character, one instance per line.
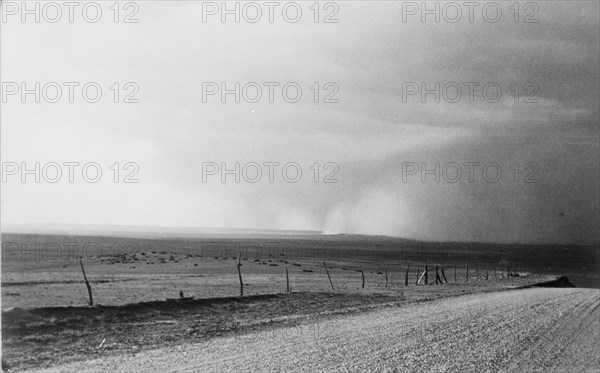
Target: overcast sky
370	133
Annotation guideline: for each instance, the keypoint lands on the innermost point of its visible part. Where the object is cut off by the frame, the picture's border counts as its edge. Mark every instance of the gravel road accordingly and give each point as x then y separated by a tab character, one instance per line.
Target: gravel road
532	330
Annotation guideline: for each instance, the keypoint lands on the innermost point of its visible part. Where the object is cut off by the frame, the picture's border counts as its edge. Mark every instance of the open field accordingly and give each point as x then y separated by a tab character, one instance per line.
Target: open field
44	270
132	278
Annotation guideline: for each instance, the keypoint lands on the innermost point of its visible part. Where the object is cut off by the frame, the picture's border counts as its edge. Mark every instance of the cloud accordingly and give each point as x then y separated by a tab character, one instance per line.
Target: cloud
369	133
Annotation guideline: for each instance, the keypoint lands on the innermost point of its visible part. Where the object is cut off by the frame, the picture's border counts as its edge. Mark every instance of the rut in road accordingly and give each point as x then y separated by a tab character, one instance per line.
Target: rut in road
521	330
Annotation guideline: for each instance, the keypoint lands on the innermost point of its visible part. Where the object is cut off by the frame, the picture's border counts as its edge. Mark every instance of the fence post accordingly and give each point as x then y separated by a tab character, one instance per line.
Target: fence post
417	282
363	278
240	276
406	278
425	274
487	273
437	276
329	277
455	272
87	284
444	275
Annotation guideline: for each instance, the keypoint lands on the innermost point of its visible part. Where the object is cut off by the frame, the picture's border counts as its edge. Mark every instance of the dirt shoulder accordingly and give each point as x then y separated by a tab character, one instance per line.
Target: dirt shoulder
543	329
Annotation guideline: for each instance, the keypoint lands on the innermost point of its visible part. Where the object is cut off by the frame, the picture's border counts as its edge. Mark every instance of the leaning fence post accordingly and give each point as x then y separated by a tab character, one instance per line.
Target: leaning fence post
87	284
444	275
329	277
421	278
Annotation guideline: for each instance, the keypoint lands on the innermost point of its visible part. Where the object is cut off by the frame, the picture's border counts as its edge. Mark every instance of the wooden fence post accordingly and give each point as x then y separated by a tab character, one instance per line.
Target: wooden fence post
240	276
329	277
87	284
406	278
363	278
444	275
437	275
426	274
455	272
417	282
487	273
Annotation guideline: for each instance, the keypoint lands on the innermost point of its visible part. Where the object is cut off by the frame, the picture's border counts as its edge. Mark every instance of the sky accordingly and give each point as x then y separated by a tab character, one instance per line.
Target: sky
533	156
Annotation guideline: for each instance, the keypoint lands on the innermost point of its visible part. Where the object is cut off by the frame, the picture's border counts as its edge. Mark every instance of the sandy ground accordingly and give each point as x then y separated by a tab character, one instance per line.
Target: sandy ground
532	330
